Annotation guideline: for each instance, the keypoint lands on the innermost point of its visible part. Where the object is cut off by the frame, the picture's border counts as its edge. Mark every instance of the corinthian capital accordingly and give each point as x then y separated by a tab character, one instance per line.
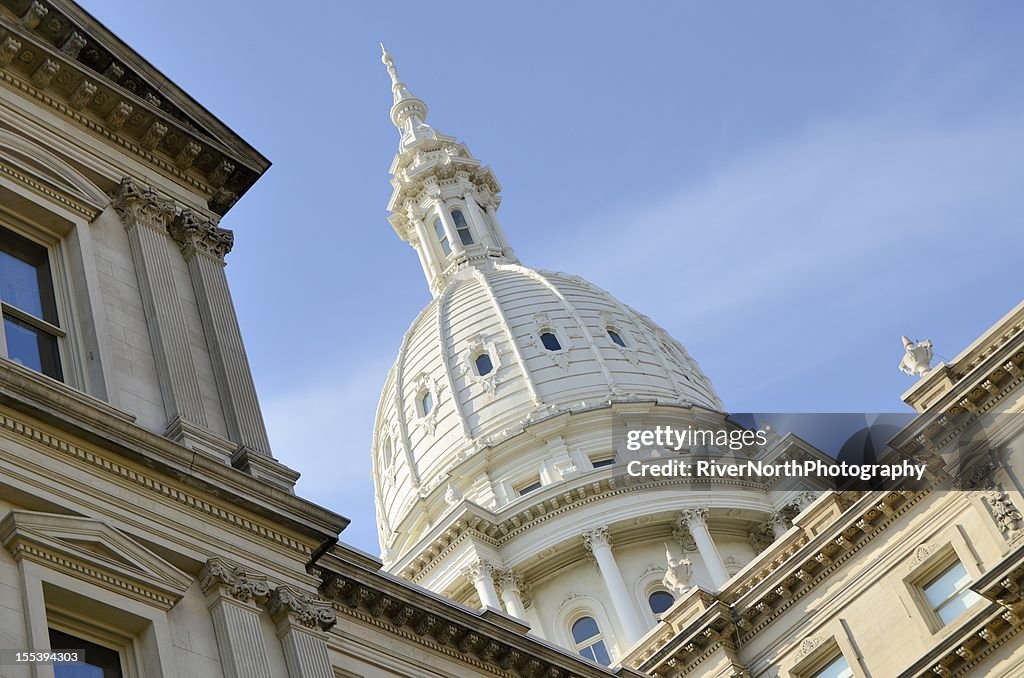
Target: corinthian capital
693	516
596	538
137	203
479	569
196	233
234	581
300	608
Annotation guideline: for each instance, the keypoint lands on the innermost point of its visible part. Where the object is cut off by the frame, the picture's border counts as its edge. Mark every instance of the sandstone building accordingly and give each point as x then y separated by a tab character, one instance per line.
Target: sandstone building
145	519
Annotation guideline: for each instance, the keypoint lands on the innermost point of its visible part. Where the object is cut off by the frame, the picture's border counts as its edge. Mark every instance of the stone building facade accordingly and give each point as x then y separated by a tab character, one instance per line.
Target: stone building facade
145	519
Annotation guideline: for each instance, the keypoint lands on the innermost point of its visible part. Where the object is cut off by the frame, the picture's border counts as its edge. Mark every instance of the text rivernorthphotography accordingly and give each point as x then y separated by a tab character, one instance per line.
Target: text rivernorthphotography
790	469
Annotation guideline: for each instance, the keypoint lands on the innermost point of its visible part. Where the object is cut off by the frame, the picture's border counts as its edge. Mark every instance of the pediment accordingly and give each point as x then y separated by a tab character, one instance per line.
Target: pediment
59	55
95	552
28	163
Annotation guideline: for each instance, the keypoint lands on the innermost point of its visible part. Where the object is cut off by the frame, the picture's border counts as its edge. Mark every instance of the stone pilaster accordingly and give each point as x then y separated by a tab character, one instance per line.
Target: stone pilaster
696	521
204	246
146	216
234	595
302	623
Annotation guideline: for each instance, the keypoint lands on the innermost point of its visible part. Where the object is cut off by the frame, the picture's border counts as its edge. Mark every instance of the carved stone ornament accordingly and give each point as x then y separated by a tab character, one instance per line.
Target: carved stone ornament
677	575
301	608
918	357
809	645
477	346
234	581
596	538
137	204
197	234
542	324
1006	515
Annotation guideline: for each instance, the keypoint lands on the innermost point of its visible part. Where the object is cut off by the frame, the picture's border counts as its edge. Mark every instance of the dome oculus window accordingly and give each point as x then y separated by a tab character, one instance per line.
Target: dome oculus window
31	332
483	363
589	641
550	341
426	403
659	601
442	237
615	337
462	228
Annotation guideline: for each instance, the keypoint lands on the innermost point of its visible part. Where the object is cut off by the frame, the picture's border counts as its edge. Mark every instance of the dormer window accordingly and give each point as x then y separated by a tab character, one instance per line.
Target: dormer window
30	328
426	403
550	341
462	228
442	237
616	337
483	363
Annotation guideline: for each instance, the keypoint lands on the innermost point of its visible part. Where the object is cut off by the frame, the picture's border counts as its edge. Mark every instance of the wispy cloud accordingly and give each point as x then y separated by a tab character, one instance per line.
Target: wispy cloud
323	429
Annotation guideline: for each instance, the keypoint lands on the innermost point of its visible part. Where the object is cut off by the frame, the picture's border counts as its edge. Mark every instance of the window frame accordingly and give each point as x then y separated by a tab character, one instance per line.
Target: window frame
68	372
603	461
525	488
442	237
465	231
600	637
928	562
813	654
97	633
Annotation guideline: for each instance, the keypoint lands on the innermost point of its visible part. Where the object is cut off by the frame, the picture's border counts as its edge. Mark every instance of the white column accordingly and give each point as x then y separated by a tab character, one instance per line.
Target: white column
428	249
499	231
778	523
598	542
696	521
234	596
481	574
511	583
449	227
302	623
482	226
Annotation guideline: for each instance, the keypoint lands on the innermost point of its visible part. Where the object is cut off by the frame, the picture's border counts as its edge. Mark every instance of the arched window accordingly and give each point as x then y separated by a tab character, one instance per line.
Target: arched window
462	228
660	601
616	337
550	341
589	641
483	364
426	403
442	237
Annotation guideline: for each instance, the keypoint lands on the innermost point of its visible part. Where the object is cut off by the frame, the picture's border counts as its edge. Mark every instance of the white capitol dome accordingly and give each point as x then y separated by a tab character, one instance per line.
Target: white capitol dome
437	403
498	474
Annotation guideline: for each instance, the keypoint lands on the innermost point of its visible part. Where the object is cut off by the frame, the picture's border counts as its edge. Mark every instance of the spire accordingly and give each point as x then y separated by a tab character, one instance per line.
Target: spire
409	112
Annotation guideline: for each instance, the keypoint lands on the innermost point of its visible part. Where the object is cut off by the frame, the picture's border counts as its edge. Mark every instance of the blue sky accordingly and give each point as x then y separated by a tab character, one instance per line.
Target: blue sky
786	187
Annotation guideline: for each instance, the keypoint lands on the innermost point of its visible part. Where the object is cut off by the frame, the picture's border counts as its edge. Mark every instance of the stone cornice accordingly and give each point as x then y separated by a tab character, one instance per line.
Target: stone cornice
82	416
77	68
490	642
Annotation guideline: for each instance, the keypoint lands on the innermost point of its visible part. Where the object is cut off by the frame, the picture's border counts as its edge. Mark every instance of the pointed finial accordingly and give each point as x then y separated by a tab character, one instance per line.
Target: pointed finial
409	112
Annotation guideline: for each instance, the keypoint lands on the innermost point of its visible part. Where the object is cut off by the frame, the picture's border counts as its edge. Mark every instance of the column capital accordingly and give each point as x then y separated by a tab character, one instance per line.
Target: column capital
692	516
479	569
137	203
510	580
225	578
288	605
596	538
198	234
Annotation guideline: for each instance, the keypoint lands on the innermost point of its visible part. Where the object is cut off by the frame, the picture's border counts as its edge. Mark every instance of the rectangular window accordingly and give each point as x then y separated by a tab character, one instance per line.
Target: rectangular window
95	661
602	462
527	489
948	593
837	668
31	331
442	238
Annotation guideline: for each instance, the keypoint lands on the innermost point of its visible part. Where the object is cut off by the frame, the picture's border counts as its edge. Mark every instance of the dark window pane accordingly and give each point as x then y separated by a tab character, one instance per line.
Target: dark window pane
529	488
601	653
100	662
614	336
427	403
32	347
441	237
660	601
483	364
550	342
465	236
460	221
584	628
25	279
601	463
